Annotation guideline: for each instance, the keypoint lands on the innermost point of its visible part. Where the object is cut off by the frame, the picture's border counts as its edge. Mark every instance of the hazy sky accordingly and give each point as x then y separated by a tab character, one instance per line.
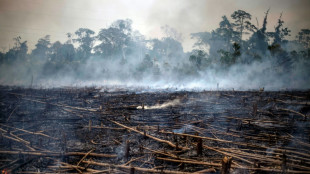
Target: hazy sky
33	19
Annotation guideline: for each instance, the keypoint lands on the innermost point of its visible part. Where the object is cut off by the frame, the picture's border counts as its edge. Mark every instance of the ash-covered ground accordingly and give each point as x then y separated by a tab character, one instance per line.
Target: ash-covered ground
99	130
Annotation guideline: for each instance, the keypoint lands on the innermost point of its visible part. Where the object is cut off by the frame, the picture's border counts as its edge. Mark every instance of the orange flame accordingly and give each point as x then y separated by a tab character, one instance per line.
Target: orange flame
4	171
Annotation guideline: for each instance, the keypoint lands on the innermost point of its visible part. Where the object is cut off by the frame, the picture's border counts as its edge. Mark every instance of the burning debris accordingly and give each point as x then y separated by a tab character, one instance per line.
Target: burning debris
161	106
87	130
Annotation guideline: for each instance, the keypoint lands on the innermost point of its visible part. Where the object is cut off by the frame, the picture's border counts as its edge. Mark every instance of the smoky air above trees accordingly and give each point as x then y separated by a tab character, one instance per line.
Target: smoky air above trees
118	55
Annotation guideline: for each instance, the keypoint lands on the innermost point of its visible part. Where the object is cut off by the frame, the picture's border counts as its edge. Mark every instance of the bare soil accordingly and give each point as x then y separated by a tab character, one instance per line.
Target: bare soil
90	130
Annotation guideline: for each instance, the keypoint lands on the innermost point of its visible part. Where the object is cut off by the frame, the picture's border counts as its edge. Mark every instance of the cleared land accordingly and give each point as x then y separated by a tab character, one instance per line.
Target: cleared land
79	130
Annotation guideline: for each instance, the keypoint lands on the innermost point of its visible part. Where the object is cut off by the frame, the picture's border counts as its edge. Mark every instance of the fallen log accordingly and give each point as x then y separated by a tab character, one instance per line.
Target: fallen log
210	170
233	166
84	156
135	168
190	162
228	154
10	164
150	136
253	156
104	127
293	103
213	139
58	154
295	112
29	132
161	152
61	105
17	140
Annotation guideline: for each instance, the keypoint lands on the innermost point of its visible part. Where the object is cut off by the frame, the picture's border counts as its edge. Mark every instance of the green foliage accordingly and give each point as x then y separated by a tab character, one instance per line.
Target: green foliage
221	48
236	49
40	53
228	58
197	58
62	53
115	39
17	53
280	32
304	37
241	21
166	48
86	41
225	33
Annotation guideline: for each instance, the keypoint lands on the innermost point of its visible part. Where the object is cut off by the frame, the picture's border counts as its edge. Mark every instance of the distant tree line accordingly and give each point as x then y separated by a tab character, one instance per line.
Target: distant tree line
227	46
221	48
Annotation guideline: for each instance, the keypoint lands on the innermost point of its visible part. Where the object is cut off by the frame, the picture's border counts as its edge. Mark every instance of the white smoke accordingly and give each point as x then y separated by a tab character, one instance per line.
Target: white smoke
161	106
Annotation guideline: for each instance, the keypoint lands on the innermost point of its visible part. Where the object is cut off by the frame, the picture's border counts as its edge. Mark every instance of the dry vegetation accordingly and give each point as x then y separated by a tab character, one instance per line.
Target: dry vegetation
79	130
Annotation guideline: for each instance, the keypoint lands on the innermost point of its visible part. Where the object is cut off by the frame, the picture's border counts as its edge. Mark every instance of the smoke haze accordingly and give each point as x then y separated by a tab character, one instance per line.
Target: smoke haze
34	19
188	45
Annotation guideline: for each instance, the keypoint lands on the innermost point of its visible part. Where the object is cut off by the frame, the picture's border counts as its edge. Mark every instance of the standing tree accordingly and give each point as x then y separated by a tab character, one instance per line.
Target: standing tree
69	36
166	49
280	32
146	66
220	39
226	33
227	58
69	49
242	20
55	54
203	40
304	38
197	59
18	52
258	42
41	52
115	40
282	59
86	40
62	53
21	49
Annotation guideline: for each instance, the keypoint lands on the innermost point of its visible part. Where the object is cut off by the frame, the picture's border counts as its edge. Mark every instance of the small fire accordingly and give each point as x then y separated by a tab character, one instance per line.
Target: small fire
4	171
161	106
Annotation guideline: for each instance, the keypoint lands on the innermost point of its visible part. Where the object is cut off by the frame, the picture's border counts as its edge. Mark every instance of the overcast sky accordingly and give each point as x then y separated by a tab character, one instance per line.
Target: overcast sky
33	19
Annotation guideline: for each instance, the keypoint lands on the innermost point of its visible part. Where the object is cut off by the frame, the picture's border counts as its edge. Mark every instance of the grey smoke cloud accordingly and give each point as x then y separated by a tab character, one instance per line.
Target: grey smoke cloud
32	19
201	15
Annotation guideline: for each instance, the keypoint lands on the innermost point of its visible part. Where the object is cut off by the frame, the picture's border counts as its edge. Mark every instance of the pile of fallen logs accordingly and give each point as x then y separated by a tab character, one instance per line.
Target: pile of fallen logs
87	130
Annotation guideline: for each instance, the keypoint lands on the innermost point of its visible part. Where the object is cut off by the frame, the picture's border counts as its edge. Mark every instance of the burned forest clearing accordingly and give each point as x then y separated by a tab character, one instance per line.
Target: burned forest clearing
97	130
